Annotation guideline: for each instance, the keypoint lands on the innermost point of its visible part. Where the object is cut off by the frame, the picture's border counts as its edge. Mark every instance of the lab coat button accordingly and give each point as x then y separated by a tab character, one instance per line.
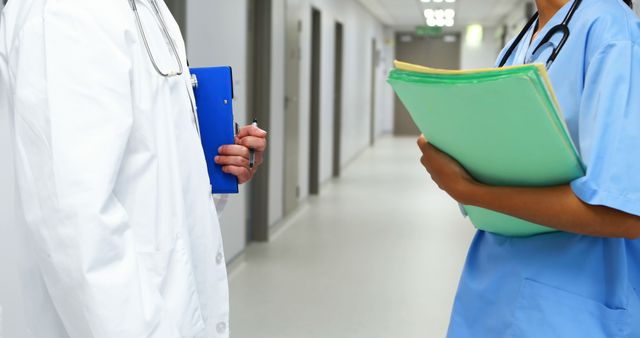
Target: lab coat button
221	327
219	258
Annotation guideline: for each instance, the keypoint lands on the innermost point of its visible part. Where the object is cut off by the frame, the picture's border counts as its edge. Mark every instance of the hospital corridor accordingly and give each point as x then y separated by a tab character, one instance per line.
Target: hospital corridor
319	169
373	273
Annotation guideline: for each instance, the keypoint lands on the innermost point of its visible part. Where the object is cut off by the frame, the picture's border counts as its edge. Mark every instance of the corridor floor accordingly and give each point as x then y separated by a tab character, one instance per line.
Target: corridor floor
377	255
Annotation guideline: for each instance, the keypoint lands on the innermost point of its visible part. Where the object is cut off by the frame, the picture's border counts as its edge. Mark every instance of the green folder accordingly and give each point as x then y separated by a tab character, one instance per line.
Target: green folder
503	125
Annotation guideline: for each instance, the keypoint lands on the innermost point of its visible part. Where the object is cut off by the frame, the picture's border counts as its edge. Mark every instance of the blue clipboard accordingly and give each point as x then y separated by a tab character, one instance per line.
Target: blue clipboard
213	89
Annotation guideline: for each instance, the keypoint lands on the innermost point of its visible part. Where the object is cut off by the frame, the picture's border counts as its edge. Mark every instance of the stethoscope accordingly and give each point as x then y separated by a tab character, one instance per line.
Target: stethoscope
562	28
167	36
174	50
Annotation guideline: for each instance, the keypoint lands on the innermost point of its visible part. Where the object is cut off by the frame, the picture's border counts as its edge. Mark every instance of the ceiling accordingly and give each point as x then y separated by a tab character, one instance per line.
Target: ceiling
407	14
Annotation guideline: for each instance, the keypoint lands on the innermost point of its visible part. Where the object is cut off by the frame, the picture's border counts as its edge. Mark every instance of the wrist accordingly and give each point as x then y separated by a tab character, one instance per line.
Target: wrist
471	193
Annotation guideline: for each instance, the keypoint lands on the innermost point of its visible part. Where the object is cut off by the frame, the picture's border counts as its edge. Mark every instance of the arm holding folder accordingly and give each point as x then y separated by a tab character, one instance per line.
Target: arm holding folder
495	102
557	207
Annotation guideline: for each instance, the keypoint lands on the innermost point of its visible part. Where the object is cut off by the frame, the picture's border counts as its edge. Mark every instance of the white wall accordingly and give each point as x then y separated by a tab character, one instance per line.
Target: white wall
515	20
486	54
481	56
217	35
278	93
360	27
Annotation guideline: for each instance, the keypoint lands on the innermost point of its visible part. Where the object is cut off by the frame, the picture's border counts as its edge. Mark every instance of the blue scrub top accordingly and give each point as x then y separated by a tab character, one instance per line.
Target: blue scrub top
564	285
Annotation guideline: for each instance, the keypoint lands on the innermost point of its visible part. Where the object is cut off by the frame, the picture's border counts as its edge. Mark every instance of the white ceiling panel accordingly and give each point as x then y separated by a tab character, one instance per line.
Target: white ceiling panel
407	14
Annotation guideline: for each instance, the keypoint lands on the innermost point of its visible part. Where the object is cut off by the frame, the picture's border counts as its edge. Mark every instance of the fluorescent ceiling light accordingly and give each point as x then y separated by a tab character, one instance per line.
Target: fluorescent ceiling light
440	17
474	36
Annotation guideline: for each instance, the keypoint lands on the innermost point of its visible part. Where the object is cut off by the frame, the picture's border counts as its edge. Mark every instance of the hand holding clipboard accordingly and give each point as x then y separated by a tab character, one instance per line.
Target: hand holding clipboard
229	157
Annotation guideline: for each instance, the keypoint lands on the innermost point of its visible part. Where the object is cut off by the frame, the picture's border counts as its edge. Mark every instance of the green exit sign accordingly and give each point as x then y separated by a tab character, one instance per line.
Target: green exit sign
428	31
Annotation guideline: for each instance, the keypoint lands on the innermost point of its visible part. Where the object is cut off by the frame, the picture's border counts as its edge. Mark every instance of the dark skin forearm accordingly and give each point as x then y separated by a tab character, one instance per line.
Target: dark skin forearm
556	207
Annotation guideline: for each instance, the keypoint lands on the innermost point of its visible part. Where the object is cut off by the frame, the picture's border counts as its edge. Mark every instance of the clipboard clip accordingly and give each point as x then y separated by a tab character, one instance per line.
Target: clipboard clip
194	81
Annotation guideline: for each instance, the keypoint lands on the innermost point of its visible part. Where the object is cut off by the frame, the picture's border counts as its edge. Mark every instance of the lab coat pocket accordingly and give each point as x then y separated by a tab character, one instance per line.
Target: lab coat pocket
545	311
171	277
155	265
180	292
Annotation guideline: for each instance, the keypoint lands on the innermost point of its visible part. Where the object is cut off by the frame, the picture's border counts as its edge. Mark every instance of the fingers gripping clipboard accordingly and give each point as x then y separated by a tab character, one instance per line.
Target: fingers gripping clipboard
213	90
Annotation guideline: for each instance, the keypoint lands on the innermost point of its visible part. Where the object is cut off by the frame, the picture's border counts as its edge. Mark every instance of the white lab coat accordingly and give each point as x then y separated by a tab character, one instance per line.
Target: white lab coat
123	239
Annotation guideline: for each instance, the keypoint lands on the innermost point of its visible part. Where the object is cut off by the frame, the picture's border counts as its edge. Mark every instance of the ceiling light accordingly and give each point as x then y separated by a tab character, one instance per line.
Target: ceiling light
474	36
449	13
440	17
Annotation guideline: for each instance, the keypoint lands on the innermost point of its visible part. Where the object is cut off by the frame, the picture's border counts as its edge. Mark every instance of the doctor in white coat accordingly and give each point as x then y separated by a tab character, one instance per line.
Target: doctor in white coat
121	232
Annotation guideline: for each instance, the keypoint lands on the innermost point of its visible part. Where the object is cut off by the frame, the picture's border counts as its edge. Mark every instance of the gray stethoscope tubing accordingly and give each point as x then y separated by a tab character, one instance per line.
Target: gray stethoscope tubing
167	35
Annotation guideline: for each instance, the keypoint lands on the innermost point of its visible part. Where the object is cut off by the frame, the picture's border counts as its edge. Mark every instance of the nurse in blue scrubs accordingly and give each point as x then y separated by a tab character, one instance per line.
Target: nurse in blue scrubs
584	281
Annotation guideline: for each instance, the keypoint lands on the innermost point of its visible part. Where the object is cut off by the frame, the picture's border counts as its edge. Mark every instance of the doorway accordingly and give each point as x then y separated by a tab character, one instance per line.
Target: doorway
337	99
314	151
292	108
259	103
436	52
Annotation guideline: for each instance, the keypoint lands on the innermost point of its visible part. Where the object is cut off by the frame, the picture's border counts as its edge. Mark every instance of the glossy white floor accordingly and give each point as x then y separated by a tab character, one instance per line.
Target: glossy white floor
377	255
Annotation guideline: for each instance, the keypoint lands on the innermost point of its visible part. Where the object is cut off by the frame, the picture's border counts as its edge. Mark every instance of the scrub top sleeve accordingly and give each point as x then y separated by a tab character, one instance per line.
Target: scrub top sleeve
609	129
